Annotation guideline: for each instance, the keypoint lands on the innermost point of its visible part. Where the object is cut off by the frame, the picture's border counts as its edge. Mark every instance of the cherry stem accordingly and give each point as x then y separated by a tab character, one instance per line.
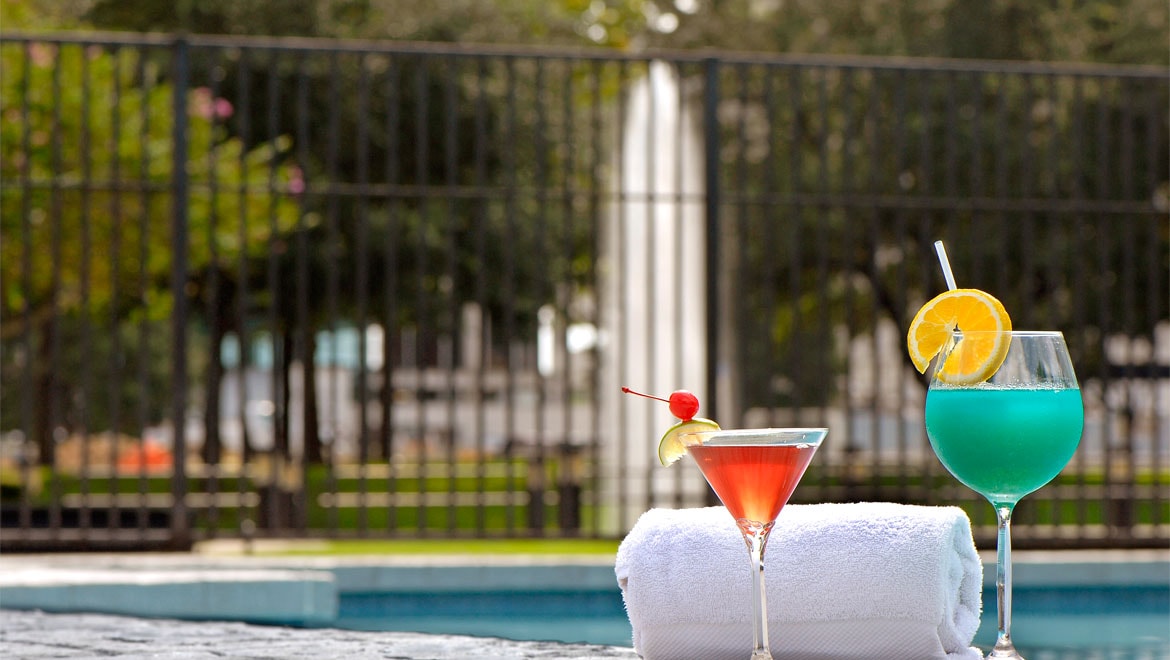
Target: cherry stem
648	396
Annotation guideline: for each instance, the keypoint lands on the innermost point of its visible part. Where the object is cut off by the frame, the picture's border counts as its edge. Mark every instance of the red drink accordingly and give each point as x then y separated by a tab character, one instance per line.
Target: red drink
754	481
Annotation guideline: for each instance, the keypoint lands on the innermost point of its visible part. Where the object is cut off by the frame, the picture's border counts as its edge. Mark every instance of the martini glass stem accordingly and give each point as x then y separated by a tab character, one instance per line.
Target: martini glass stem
1003	585
755	534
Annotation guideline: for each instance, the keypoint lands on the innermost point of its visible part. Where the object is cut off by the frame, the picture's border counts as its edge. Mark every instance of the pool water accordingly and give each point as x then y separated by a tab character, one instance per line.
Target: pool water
593	617
1051	623
1133	619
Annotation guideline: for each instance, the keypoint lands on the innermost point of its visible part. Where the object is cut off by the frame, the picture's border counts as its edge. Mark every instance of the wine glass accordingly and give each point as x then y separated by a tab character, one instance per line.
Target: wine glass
754	471
1007	436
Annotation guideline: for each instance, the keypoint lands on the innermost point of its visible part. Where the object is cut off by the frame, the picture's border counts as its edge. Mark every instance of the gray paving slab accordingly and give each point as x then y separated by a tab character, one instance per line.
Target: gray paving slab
34	635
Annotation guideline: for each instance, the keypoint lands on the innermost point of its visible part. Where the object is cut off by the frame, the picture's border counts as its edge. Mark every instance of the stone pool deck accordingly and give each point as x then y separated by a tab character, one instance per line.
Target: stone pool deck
34	635
139	605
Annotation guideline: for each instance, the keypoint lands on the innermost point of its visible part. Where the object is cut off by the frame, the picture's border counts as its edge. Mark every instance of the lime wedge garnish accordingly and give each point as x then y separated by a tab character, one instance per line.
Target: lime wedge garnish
671	447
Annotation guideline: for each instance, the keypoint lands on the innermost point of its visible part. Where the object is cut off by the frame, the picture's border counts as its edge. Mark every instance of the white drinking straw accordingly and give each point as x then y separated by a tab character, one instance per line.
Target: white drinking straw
946	265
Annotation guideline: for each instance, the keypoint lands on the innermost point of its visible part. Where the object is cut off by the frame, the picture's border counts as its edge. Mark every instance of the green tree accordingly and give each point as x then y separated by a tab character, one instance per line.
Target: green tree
87	160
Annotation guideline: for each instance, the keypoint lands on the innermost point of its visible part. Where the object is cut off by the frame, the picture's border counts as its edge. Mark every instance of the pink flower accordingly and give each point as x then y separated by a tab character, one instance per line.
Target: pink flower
223	108
42	55
200	102
296	180
203	105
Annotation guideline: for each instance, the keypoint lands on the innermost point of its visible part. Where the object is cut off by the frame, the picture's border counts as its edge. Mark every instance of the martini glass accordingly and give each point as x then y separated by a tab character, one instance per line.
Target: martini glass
754	471
1008	436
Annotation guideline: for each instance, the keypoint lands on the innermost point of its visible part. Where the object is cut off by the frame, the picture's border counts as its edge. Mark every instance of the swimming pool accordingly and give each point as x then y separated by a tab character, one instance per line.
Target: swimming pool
1082	605
1050	623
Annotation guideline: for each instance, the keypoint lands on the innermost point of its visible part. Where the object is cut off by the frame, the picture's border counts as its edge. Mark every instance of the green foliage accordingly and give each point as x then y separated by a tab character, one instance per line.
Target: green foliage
80	125
1110	31
87	160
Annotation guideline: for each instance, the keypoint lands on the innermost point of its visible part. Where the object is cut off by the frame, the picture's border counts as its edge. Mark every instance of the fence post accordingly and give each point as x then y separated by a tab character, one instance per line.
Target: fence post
711	195
180	524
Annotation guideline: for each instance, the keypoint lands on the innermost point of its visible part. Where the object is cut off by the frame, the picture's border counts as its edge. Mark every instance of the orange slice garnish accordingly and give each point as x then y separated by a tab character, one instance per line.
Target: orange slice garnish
977	356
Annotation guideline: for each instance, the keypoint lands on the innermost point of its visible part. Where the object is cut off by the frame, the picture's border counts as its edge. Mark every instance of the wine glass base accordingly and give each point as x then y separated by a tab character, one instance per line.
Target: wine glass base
1008	653
762	654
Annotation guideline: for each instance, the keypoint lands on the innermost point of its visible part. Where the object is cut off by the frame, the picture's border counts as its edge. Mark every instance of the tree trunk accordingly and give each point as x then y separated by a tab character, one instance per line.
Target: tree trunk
282	363
211	452
42	426
313	451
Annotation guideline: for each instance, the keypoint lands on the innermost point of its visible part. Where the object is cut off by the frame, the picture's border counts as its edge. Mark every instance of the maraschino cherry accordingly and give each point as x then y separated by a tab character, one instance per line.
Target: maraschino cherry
683	404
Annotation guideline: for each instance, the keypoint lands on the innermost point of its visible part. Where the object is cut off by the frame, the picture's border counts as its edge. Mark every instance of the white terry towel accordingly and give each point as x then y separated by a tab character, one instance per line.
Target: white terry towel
865	581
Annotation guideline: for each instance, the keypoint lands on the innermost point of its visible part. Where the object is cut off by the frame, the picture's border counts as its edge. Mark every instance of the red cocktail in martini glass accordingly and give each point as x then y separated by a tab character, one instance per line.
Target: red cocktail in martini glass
754	471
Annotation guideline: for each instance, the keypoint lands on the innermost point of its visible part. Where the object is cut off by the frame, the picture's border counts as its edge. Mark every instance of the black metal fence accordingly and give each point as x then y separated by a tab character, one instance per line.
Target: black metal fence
258	287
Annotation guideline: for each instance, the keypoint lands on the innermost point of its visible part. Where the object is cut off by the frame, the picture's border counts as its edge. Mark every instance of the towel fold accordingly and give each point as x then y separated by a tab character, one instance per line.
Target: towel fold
860	581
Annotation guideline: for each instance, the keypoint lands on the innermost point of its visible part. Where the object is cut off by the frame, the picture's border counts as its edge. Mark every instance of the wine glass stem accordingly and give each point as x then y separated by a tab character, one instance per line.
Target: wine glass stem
756	536
1003	585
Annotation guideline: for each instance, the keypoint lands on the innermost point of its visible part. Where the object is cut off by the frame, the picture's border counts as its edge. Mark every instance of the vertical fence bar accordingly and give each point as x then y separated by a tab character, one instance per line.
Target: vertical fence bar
85	340
794	220
1027	224
510	165
849	266
50	394
649	250
596	153
278	505
735	263
304	350
679	203
485	355
1156	307
770	181
28	399
422	331
621	255
824	254
180	525
362	290
1000	187
145	119
872	130
928	233
116	357
1128	281
568	493
711	188
334	246
1079	266
246	479
391	333
1101	191
900	92
1056	266
451	336
537	468
212	440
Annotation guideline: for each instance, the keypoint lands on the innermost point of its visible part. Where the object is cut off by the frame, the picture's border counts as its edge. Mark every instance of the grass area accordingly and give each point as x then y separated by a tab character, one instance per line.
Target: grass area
601	547
497	512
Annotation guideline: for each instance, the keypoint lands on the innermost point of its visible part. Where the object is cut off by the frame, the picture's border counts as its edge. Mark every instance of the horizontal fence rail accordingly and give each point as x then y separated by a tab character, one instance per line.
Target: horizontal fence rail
286	287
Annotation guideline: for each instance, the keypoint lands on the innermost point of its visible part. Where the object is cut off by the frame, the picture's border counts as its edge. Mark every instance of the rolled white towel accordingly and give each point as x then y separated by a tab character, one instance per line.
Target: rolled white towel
864	581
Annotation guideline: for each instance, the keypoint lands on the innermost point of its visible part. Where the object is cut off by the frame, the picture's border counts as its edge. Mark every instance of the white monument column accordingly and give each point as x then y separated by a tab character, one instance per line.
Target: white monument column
653	319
